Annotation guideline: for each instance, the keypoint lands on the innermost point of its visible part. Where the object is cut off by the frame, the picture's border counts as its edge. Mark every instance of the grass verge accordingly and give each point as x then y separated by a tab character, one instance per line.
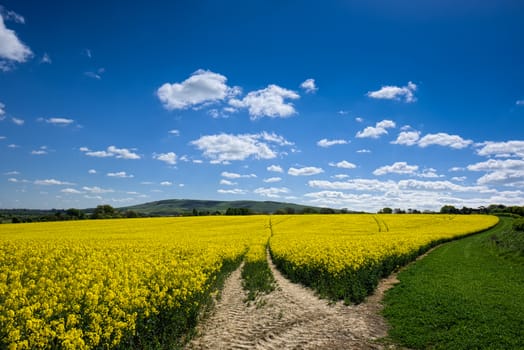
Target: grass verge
257	278
467	294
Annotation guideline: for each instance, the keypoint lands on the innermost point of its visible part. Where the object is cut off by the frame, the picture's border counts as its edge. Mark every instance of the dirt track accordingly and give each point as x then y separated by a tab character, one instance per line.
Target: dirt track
291	317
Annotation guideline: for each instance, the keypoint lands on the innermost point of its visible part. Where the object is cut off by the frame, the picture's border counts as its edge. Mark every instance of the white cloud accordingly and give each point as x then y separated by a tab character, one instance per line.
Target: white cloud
378	130
456	168
271	192
429	173
120	174
232	191
519	102
355	184
459	178
343	112
12	145
169	158
359	119
59	121
174	132
223	148
508	172
273	179
17	121
268	102
328	143
275	168
39	152
443	139
11	48
309	86
513	148
305	171
396	168
166	183
97	190
227	182
12	173
236	176
2	111
71	191
11	16
2	137
95	74
51	182
390	92
408	138
340	176
112	151
202	87
91	171
363	151
343	164
46	58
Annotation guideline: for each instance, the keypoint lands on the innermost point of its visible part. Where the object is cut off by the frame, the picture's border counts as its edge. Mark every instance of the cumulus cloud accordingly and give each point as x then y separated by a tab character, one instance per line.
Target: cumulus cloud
232	191
396	168
59	121
174	132
48	182
223	148
343	164
71	191
227	182
271	192
391	92
407	138
378	130
275	168
112	151
12	50
273	179
305	171
268	102
166	183
506	149
309	86
236	175
91	171
202	87
443	139
328	143
18	121
169	158
120	174
508	172
2	111
97	190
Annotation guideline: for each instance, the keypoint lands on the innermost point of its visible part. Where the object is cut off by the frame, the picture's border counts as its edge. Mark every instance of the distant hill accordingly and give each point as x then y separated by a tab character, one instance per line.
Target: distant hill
184	206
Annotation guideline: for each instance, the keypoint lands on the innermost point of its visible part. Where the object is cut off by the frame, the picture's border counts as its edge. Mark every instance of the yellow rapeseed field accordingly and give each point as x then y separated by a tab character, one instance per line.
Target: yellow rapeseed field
344	256
103	283
141	283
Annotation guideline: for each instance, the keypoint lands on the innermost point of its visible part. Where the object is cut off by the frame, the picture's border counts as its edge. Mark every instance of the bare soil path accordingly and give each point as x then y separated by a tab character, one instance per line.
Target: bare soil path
291	317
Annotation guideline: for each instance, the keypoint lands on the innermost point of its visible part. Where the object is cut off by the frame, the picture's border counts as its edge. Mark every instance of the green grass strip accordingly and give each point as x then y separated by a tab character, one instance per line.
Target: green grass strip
467	294
257	278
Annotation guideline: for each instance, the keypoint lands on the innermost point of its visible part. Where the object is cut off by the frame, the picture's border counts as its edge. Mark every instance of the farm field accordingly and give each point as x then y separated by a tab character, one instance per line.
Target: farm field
467	294
142	283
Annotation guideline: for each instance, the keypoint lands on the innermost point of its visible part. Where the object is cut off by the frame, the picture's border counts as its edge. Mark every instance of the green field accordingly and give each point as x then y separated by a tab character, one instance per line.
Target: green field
467	294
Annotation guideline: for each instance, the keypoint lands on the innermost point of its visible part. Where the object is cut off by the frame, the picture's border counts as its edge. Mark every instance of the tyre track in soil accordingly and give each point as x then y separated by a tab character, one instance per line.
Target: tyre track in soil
291	317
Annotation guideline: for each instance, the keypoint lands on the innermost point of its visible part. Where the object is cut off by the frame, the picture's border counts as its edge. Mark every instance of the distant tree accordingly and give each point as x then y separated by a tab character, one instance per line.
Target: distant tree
449	209
289	210
74	213
327	211
308	210
130	214
104	211
386	210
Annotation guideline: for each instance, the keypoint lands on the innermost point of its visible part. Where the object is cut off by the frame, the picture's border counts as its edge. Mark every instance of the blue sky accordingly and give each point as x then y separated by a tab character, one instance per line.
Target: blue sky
349	104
